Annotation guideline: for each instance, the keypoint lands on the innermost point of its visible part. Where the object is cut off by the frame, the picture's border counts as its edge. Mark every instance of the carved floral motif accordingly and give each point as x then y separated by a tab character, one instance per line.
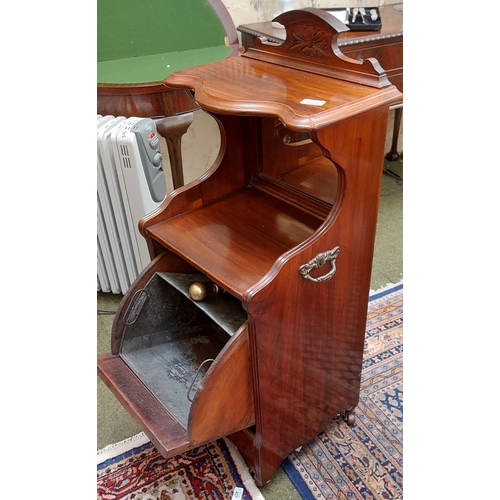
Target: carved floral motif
309	41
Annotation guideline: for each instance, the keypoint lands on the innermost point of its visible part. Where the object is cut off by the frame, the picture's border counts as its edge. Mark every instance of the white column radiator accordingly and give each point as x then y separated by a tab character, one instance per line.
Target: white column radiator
130	184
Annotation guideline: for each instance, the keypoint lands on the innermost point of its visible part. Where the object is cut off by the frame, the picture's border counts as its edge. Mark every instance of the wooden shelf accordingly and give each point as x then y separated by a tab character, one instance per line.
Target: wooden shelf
231	242
287	95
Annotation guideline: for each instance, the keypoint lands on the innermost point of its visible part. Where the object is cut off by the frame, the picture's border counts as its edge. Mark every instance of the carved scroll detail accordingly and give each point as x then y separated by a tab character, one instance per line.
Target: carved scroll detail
318	261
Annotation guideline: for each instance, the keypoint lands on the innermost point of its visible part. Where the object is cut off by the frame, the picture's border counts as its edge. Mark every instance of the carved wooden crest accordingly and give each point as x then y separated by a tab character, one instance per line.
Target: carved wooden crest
311	45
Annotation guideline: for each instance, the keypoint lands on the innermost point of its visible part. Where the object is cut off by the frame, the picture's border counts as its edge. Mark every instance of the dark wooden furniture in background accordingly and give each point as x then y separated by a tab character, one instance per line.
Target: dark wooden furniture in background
385	45
141	43
280	232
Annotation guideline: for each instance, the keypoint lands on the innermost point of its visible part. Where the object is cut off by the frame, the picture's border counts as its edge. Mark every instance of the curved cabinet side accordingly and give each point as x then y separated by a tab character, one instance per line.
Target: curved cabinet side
224	402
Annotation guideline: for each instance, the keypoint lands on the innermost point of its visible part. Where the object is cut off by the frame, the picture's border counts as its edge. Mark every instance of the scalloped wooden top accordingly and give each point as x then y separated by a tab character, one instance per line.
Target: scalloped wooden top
306	82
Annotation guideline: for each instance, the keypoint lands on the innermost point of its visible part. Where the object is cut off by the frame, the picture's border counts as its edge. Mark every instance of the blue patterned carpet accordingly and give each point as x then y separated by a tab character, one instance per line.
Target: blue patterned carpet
364	461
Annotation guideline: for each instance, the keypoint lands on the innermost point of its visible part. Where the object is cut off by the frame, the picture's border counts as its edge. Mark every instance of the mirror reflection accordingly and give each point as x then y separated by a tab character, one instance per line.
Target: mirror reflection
293	159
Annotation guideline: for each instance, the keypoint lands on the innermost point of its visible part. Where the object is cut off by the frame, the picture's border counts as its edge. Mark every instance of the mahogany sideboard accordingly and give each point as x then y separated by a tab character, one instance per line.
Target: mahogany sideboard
249	322
385	45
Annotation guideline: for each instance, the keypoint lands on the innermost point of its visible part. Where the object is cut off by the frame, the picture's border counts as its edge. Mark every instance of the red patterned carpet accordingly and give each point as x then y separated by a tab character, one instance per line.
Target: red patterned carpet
138	472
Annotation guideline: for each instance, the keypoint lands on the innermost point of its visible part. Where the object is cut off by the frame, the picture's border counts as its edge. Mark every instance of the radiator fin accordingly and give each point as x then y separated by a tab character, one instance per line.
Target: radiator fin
123	198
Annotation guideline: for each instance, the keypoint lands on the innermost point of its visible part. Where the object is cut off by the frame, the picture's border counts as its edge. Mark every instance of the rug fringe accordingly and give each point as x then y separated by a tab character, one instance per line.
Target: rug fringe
244	472
113	450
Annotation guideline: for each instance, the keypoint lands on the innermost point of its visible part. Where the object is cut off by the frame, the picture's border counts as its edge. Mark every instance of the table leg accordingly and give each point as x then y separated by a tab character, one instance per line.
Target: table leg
393	155
172	128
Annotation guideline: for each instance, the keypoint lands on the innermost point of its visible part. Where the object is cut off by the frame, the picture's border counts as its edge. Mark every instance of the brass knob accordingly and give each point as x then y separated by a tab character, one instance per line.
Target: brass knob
198	291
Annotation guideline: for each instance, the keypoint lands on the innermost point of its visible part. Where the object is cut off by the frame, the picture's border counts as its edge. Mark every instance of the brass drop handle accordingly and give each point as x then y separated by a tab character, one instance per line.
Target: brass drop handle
318	261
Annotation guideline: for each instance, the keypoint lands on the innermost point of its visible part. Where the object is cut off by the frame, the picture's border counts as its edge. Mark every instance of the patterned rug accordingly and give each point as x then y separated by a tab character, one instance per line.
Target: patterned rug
134	470
364	461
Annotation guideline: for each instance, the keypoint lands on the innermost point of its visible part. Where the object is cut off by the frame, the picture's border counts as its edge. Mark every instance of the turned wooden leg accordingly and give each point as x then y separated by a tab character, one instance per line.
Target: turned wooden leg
172	128
393	155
